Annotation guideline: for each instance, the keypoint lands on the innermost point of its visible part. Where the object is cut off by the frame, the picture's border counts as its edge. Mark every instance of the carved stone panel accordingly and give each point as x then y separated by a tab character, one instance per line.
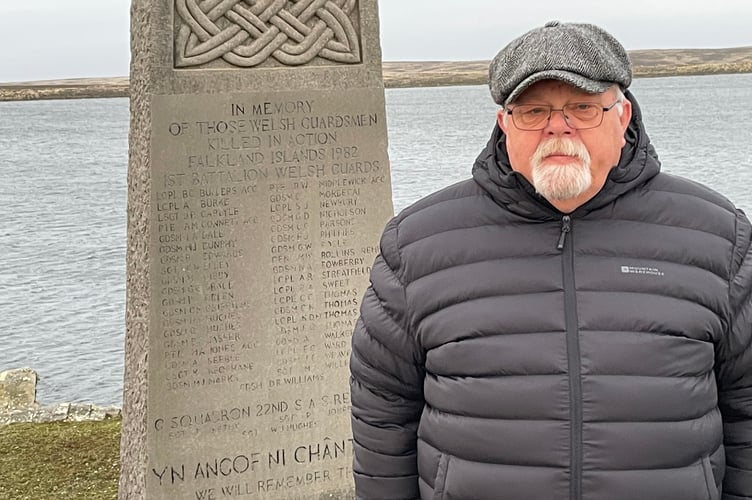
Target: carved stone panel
247	33
267	209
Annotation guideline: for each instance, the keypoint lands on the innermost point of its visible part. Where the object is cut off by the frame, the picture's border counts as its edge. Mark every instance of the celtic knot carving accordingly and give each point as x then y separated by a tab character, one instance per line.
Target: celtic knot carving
247	33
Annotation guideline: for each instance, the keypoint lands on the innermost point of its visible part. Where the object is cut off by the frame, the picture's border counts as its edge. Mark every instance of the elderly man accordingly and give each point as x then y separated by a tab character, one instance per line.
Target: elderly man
570	323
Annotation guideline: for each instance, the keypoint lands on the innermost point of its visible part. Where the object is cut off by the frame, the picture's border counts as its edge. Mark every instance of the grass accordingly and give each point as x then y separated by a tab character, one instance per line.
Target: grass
60	460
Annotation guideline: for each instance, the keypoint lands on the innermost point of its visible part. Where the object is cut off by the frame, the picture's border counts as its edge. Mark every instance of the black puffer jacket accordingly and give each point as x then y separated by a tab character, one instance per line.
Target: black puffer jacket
508	352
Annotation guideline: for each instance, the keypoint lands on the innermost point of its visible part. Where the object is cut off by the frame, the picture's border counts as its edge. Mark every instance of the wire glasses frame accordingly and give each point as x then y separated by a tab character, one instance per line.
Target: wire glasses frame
577	115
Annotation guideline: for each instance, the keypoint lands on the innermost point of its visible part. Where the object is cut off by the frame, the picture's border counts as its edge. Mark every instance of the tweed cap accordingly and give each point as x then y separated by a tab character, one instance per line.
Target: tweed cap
582	55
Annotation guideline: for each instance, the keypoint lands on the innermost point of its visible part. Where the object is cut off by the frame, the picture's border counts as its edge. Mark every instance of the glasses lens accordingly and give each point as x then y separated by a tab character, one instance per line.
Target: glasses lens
529	117
583	114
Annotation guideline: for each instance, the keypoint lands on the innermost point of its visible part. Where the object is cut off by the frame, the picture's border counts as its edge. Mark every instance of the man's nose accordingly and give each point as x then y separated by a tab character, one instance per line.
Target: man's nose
557	123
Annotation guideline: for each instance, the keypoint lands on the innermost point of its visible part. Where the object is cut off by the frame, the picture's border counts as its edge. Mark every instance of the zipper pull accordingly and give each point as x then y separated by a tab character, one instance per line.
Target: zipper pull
566	226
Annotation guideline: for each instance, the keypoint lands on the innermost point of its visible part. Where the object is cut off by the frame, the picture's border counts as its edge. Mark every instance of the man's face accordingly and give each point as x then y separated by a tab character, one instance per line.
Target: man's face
566	166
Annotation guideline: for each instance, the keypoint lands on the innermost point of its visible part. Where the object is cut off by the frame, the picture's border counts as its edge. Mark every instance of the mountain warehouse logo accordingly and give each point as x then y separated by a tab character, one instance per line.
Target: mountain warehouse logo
652	271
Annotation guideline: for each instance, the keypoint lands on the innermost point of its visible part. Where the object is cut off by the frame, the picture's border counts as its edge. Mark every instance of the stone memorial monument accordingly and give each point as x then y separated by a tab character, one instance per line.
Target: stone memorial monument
258	186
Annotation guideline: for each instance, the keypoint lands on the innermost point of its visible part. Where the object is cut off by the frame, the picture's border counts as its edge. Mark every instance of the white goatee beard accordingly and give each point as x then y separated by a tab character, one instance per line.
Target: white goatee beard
561	181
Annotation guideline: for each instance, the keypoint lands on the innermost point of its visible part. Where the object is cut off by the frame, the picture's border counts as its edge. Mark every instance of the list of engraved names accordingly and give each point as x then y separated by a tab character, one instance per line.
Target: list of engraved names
263	245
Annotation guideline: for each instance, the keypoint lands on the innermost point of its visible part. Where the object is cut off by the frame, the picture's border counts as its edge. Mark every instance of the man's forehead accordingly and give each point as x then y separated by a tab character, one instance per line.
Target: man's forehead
547	88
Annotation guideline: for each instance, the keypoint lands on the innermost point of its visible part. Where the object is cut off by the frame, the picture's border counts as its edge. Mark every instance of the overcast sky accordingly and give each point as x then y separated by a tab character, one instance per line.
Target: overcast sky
50	39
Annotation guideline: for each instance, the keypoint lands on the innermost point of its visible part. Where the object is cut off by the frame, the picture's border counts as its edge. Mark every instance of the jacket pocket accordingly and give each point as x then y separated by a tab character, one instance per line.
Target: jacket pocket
440	481
707	469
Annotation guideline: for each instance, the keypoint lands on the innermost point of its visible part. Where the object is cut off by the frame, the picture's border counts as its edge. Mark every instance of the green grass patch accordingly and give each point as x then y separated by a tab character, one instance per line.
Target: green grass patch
70	460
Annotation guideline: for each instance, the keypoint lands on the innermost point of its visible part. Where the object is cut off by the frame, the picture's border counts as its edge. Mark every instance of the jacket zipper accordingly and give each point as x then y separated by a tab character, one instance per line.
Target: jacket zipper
573	357
566	226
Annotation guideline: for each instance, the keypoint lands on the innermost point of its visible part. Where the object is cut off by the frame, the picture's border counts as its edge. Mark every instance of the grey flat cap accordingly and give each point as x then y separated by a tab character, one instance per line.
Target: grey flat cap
582	55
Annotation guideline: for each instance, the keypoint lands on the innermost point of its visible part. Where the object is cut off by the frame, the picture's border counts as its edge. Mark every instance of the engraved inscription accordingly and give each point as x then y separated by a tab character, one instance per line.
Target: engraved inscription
268	209
247	33
258	472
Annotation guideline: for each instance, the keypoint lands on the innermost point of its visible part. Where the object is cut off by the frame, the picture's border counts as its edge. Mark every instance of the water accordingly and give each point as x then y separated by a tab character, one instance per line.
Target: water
62	234
63	202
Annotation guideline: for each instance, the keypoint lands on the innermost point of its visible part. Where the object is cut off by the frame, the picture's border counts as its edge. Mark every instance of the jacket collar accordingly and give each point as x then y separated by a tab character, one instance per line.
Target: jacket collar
492	171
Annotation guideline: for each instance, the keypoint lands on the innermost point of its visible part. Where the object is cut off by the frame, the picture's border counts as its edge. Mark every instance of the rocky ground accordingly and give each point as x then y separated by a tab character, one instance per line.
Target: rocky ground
647	63
18	403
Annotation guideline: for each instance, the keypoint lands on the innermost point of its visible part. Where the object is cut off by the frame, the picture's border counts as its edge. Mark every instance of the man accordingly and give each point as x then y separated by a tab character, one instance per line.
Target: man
570	323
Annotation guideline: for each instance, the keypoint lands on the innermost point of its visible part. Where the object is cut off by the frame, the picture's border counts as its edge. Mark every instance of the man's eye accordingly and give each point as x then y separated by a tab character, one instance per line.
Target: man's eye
584	107
535	111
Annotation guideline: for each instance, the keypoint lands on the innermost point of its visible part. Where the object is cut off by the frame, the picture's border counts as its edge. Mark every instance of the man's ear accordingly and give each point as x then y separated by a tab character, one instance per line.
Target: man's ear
626	115
500	114
624	119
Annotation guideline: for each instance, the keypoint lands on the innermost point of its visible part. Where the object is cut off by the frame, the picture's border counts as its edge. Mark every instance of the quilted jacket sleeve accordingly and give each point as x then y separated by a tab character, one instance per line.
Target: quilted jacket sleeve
734	373
386	384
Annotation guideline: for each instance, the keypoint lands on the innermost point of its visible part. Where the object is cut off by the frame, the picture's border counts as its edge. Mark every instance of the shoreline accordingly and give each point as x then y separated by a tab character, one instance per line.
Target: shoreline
104	89
646	64
18	403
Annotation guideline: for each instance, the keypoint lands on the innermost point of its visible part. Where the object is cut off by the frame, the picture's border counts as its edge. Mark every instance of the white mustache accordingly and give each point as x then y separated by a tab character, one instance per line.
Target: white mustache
560	146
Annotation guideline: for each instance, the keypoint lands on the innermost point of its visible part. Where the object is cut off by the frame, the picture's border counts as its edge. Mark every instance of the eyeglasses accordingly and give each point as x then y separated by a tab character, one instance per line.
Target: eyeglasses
578	115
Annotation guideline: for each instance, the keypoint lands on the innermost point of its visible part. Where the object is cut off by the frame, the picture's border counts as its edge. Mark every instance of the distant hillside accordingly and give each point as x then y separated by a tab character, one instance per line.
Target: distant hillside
647	63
